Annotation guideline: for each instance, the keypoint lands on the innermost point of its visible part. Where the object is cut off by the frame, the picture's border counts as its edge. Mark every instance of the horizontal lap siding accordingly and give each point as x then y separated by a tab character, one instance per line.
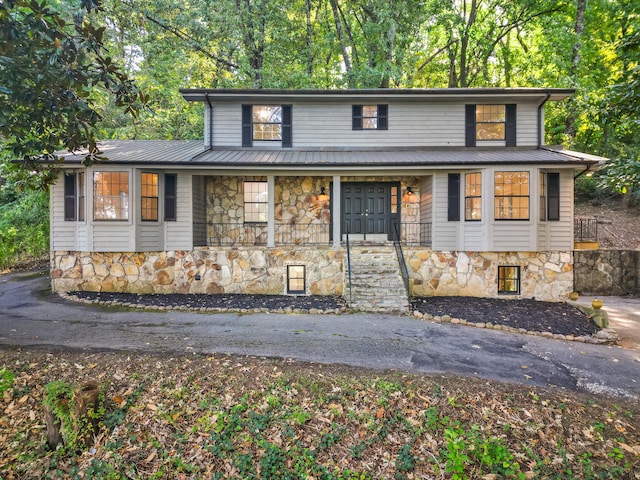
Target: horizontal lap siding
527	125
561	232
426	200
178	234
149	238
322	125
474	237
512	236
113	237
445	233
62	233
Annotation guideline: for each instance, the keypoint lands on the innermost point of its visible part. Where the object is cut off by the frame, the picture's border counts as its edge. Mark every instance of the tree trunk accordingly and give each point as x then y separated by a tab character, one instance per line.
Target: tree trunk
570	120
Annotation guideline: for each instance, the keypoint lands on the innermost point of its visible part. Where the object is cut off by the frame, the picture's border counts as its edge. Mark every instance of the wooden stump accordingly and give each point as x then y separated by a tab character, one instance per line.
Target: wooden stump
73	421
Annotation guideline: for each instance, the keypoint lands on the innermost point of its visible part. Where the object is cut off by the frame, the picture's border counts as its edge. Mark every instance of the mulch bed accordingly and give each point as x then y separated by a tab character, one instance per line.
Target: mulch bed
532	315
236	301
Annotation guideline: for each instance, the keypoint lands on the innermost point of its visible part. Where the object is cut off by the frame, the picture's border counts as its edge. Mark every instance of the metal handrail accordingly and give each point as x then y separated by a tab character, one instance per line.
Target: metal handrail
346	233
404	271
585	229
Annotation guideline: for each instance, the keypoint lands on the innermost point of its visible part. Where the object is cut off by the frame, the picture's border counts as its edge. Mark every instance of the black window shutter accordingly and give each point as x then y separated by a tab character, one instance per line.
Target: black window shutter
287	141
170	197
453	192
553	196
383	117
510	126
247	126
70	197
470	125
356	121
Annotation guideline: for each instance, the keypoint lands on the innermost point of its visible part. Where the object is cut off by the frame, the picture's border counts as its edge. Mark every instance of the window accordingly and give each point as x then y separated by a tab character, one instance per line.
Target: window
170	197
81	197
370	117
255	202
511	200
70	197
296	279
486	123
269	123
509	280
394	199
149	197
490	122
473	197
110	195
453	200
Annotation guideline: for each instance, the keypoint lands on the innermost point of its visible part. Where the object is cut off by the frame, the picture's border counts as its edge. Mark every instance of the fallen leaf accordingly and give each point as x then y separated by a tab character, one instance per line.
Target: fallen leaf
151	406
380	413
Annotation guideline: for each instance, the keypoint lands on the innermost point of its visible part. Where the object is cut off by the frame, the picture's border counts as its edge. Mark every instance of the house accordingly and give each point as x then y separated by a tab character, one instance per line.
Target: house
371	194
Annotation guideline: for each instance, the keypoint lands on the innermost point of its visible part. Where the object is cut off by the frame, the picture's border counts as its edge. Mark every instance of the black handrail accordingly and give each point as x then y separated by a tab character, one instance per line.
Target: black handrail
404	271
585	229
346	234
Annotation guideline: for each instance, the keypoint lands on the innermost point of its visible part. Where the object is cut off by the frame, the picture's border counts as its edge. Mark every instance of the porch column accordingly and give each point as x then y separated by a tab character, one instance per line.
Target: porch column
271	211
336	202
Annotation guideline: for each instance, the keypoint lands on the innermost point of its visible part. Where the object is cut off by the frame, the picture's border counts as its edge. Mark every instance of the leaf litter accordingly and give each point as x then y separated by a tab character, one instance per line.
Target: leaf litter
221	416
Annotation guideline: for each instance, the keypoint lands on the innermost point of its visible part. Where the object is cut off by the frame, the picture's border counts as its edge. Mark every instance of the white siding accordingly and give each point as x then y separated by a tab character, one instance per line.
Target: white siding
561	232
149	237
329	124
526	125
113	237
474	237
513	236
178	234
426	200
62	234
445	233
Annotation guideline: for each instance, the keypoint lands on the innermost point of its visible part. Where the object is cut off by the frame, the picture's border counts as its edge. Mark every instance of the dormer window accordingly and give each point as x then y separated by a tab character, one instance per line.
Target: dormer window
266	123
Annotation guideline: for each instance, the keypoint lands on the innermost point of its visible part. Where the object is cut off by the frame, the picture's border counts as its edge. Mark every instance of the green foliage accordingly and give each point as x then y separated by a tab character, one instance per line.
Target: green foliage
51	64
24	226
623	175
6	380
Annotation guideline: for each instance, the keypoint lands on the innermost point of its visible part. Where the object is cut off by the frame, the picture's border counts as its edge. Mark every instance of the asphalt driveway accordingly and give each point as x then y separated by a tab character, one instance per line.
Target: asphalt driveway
31	316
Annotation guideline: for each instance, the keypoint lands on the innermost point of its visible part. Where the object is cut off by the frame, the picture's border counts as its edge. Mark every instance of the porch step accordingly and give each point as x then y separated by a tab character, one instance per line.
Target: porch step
376	281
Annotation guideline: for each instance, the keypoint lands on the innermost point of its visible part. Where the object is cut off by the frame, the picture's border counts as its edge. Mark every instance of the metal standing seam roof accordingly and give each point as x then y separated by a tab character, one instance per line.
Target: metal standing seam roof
192	153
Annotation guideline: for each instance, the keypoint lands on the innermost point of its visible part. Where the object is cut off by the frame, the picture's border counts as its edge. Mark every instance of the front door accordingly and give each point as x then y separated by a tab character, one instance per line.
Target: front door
366	210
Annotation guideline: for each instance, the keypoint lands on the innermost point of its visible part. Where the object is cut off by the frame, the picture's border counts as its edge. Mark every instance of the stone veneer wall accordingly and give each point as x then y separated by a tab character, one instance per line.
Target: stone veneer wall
543	275
607	272
258	270
261	270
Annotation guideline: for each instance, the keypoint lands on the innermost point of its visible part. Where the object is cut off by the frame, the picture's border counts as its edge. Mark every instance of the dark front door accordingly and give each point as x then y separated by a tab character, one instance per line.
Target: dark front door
366	210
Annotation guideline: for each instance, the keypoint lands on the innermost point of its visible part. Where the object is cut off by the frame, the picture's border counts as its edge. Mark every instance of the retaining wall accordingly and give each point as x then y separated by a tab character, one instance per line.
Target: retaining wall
607	272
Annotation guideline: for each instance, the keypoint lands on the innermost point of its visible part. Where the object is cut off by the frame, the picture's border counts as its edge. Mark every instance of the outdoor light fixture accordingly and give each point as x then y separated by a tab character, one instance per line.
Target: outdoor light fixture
409	191
323	197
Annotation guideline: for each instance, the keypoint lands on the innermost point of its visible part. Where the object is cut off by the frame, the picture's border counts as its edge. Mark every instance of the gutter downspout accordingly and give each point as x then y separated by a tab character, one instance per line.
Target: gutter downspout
540	107
206	97
583	172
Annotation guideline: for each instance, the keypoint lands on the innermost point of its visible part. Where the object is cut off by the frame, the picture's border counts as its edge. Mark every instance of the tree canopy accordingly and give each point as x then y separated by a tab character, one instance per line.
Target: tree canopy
66	71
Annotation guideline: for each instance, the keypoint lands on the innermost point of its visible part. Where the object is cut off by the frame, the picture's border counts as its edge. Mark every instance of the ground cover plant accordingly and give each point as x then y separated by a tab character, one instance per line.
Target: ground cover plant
246	417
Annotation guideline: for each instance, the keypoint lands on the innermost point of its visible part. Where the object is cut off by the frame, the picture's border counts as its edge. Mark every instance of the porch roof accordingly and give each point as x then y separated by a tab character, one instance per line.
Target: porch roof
192	153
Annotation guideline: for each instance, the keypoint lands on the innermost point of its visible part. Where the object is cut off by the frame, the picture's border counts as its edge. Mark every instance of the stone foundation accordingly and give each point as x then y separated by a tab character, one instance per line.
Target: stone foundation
543	275
607	272
203	270
261	270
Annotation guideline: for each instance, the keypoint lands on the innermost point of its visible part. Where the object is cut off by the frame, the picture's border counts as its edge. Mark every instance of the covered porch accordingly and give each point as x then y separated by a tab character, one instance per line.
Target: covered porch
286	210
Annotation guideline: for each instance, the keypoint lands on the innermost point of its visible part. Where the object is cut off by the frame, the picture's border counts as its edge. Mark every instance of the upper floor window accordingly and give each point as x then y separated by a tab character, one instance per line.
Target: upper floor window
110	195
255	202
473	197
511	196
149	197
490	122
370	117
266	123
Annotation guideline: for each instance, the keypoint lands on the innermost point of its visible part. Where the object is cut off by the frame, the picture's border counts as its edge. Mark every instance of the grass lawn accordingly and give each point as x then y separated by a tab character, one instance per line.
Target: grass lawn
247	417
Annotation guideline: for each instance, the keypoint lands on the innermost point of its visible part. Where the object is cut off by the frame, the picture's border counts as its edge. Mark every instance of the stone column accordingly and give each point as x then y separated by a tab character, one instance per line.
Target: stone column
336	202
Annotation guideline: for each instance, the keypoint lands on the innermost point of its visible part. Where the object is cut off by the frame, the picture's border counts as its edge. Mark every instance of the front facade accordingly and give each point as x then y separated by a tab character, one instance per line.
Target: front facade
289	187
